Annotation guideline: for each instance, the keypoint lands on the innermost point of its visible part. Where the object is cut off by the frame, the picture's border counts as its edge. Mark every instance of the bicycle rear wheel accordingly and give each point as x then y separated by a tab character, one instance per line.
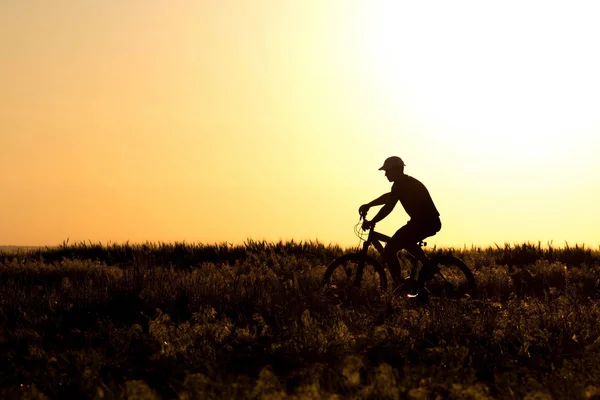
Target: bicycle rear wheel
355	270
452	279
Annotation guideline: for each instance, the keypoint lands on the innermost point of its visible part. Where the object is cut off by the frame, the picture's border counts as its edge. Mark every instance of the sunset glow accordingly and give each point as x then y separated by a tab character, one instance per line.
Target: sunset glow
220	121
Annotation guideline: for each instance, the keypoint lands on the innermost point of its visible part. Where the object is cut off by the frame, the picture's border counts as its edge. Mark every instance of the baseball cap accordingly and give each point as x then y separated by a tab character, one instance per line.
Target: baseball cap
392	162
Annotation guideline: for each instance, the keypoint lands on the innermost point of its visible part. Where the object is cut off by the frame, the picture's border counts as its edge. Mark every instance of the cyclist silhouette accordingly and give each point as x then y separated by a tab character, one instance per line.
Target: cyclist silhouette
417	202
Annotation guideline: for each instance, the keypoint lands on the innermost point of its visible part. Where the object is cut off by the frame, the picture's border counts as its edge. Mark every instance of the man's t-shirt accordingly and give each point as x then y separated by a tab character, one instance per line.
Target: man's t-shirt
415	198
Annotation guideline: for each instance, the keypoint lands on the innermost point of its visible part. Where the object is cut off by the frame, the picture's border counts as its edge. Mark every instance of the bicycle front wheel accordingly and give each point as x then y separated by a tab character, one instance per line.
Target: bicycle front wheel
452	279
355	269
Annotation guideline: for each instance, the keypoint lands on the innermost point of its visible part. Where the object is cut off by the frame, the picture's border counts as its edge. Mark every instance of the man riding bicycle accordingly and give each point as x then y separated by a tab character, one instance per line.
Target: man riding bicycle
417	202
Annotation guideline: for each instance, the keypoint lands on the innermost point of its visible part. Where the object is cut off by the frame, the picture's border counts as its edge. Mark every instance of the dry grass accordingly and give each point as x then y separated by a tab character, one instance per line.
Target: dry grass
195	321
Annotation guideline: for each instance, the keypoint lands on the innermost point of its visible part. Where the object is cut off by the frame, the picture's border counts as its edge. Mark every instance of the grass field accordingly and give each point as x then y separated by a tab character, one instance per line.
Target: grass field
177	320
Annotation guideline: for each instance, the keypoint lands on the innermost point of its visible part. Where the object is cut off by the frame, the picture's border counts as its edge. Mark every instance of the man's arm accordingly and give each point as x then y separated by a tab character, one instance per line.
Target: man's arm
385	210
390	202
383	199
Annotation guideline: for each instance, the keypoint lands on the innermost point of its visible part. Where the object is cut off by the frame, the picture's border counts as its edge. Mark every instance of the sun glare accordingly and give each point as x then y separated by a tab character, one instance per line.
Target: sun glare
484	77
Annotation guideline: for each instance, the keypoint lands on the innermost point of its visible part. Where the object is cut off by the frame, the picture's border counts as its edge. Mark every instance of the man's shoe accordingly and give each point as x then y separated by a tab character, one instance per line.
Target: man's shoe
411	287
404	285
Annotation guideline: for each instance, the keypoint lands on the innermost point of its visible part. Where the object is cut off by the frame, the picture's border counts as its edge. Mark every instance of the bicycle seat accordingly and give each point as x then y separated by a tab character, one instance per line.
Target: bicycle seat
422	243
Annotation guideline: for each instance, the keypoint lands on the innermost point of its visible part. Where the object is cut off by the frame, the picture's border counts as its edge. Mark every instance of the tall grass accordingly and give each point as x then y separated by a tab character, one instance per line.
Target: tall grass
177	254
252	321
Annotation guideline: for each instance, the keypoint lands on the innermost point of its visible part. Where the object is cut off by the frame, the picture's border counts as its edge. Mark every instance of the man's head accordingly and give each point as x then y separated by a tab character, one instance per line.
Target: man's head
393	167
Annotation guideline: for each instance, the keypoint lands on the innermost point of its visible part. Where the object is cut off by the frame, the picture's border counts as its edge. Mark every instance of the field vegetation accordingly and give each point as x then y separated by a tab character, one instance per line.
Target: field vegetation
179	320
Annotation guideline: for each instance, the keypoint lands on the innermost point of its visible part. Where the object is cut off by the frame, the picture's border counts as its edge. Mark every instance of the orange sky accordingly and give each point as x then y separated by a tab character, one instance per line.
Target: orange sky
226	120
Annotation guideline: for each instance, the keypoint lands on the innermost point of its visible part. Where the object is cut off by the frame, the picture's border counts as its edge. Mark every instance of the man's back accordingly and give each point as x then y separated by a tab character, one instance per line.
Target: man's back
415	198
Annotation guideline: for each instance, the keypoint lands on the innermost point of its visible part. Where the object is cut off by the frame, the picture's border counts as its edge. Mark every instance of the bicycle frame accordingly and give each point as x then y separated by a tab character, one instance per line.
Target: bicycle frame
375	239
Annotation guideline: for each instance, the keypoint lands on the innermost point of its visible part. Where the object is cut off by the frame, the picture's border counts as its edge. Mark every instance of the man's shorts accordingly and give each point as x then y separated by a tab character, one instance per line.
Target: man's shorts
416	230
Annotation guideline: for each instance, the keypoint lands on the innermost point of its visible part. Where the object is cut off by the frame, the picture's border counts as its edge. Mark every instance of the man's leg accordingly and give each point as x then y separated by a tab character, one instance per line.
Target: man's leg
406	238
391	258
399	241
417	252
423	230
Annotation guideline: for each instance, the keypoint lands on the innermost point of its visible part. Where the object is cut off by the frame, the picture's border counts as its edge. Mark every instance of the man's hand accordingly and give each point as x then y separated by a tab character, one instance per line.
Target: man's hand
364	209
366	225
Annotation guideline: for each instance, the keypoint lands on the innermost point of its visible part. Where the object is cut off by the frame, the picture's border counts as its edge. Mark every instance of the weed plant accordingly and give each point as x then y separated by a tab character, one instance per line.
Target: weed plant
178	320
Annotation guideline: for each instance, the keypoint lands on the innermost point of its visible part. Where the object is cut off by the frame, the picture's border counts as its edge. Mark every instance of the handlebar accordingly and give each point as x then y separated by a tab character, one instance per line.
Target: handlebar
363	219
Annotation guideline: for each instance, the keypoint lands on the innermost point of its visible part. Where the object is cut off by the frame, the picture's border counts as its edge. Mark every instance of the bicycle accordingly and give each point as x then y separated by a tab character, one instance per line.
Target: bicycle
450	278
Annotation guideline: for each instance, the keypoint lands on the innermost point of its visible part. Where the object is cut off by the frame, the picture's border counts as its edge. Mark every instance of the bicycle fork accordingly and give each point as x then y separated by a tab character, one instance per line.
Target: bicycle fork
361	265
